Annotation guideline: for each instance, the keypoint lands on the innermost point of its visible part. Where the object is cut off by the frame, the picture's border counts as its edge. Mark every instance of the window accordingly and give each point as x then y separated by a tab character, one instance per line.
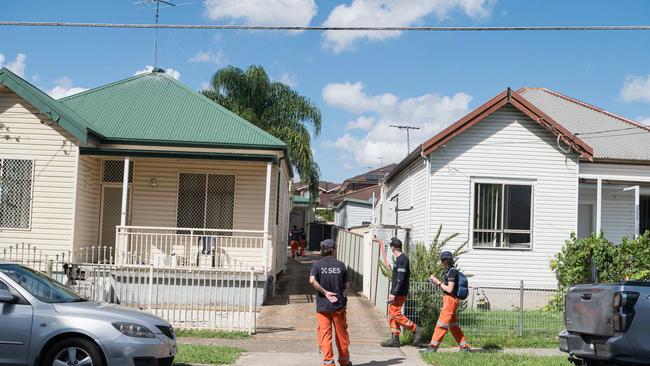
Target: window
502	215
15	193
206	201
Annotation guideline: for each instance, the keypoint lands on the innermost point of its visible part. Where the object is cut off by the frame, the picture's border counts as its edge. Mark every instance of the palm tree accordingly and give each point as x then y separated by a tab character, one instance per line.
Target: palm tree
275	108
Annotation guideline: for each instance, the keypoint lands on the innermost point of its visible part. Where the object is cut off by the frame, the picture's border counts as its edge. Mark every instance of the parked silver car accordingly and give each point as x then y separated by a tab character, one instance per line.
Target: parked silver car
44	323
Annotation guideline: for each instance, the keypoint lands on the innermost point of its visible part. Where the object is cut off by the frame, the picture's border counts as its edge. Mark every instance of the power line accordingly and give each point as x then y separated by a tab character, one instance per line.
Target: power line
324	28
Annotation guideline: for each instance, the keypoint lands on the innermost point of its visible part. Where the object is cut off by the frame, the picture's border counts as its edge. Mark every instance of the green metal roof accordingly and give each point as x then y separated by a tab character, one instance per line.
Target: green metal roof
53	109
301	201
155	108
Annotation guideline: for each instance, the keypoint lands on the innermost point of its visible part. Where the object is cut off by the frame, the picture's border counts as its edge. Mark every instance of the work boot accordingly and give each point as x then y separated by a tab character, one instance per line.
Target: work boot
429	349
465	349
417	337
392	342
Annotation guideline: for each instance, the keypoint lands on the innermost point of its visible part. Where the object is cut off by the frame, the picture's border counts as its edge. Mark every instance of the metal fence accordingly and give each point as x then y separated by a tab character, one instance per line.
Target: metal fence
350	251
493	309
187	297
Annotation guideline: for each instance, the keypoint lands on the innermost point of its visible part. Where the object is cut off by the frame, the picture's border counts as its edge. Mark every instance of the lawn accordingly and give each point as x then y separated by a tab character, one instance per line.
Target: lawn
206	333
500	329
211	355
492	359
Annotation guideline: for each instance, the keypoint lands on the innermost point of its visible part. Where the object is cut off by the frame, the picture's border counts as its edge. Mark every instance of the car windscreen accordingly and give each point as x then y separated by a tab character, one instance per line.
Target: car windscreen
39	285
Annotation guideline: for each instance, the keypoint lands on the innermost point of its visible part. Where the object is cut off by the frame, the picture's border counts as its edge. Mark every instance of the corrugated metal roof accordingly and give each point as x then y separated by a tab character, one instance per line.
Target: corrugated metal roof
610	136
154	107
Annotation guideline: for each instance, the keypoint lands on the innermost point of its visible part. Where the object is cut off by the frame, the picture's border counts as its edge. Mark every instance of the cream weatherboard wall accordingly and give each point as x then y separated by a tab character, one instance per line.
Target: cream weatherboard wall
506	145
88	201
157	206
55	162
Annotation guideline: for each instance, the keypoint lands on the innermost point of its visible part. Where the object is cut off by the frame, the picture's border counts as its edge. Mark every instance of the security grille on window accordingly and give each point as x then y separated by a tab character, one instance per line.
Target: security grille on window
113	171
502	216
206	201
15	193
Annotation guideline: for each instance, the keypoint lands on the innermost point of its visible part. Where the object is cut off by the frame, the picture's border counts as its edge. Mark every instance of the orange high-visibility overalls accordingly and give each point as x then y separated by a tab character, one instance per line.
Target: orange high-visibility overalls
395	317
303	247
294	248
448	320
339	320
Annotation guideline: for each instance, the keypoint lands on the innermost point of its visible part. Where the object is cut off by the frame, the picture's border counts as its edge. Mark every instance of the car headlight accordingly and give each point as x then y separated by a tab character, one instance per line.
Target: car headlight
133	330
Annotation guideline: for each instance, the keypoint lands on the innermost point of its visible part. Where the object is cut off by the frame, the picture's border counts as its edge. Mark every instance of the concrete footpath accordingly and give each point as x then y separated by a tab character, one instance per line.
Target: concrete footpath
286	331
286	328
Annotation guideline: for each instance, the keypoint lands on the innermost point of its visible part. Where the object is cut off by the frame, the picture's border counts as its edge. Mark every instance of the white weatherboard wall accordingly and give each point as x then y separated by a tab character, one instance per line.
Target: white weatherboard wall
55	165
352	214
617	210
410	186
617	206
506	144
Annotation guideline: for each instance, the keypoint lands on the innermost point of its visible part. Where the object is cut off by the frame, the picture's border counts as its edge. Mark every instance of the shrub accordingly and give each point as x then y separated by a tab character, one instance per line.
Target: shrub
629	260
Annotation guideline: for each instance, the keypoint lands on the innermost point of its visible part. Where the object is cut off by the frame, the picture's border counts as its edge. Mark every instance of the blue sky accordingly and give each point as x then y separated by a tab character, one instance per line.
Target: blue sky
362	82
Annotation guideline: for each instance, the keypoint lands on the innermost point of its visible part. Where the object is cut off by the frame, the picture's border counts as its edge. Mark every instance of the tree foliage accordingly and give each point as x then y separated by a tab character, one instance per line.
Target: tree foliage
275	108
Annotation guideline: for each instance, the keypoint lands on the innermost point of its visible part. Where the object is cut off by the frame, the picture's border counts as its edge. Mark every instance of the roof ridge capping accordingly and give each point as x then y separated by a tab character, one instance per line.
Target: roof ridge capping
517	100
586	105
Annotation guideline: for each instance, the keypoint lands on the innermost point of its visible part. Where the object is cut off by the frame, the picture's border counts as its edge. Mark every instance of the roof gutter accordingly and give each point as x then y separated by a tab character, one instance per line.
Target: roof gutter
175	154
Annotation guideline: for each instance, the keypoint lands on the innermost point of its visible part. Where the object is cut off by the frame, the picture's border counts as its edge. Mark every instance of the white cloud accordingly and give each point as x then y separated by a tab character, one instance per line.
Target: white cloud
263	12
644	120
636	89
63	88
17	66
361	123
289	79
171	72
431	112
218	58
392	13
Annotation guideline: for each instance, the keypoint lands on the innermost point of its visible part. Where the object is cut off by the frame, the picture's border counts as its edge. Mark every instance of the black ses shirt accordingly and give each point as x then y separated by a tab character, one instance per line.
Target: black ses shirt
401	276
332	275
452	276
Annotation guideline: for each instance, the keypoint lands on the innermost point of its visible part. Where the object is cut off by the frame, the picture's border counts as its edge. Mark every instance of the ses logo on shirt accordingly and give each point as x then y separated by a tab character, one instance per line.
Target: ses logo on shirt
330	270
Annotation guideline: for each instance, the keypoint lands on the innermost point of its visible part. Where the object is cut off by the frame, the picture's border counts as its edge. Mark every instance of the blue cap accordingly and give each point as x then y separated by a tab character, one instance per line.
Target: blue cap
446	255
329	244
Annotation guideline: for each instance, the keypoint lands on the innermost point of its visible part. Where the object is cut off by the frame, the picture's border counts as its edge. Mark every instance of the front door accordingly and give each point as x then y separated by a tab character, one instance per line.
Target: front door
16	332
585	220
111	213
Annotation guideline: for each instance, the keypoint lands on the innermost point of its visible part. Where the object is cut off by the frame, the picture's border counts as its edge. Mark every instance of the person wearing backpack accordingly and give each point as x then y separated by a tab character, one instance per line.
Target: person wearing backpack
454	287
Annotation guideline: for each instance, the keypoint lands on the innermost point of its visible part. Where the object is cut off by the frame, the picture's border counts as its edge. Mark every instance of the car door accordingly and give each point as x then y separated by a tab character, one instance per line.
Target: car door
16	329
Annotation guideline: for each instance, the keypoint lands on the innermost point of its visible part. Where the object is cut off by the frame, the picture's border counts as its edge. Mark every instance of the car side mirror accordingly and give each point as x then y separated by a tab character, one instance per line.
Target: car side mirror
7	297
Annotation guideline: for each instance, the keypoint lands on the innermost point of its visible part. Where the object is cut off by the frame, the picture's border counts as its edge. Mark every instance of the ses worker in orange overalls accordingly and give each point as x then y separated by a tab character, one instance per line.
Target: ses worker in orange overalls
448	319
294	236
399	290
329	277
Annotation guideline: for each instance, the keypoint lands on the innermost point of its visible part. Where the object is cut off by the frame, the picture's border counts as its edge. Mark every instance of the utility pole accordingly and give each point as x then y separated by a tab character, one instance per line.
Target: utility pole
408	136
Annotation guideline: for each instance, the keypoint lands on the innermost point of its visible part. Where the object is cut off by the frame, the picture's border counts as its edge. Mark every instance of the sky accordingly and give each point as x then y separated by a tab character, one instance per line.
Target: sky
362	81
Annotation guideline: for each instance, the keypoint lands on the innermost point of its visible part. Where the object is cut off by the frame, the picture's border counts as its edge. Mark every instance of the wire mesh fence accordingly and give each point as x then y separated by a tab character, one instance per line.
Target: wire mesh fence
492	309
187	297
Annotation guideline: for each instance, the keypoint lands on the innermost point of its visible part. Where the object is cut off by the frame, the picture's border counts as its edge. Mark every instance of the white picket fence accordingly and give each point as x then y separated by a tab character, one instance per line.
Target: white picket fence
188	297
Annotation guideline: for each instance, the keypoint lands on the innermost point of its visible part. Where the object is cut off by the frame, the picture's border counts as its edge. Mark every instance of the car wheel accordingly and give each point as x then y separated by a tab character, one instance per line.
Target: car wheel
74	352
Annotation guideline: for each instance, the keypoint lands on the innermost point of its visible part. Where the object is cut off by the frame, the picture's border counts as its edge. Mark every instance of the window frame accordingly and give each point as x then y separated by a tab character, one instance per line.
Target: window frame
207	173
31	196
503	182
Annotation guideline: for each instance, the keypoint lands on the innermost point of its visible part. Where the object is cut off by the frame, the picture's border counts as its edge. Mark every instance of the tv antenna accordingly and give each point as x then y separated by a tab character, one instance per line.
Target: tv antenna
167	4
408	137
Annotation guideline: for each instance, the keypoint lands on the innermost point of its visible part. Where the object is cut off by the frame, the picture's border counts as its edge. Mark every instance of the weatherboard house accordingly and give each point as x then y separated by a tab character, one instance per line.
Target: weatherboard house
147	170
517	176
